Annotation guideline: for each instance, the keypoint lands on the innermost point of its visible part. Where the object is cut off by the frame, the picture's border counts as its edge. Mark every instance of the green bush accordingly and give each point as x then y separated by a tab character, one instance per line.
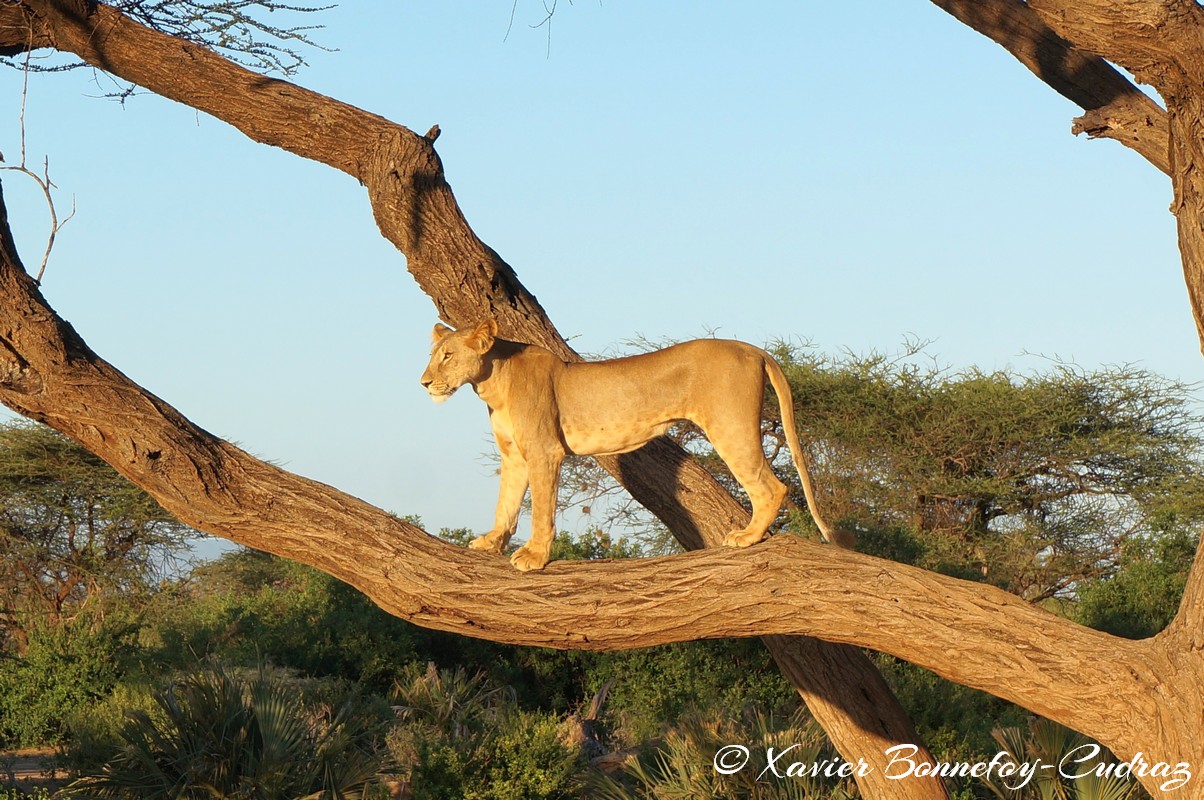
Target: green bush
62	670
462	736
212	733
653	687
249	606
522	758
1142	597
93	732
526	758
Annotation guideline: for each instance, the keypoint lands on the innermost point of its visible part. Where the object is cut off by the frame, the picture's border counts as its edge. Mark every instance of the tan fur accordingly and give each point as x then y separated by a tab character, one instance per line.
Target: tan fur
542	409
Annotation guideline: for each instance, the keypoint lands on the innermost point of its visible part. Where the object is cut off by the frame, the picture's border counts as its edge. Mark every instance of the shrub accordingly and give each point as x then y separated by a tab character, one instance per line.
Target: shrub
93	732
211	733
62	669
655	686
461	736
247	606
1141	598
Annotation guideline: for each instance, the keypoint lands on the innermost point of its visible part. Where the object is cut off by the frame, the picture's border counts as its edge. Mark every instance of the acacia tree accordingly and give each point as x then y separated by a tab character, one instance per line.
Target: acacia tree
1133	696
71	531
1033	483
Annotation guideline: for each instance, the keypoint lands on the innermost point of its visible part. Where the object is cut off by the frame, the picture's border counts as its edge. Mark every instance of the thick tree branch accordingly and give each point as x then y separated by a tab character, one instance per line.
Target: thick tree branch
19	30
1186	631
1153	39
1115	108
467	280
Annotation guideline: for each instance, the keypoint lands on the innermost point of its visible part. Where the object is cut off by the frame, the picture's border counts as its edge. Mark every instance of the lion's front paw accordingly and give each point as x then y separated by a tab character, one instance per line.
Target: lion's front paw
491	542
743	538
526	558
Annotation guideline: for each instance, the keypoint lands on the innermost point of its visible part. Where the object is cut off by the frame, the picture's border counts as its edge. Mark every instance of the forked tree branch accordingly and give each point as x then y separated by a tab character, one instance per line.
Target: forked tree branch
1114	107
1156	40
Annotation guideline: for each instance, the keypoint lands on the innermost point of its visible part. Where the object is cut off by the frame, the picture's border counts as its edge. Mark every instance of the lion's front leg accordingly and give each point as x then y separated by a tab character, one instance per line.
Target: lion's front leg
509	501
545	475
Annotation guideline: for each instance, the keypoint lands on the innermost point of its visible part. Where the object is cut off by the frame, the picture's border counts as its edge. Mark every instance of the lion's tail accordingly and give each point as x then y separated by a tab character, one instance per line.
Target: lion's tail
781	387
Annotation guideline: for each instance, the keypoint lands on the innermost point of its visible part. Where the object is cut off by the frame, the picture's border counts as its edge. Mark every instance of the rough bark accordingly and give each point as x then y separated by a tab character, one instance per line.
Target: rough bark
415	209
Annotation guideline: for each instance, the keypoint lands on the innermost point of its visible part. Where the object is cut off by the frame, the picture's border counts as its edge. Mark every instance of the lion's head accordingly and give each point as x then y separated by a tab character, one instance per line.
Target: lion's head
457	358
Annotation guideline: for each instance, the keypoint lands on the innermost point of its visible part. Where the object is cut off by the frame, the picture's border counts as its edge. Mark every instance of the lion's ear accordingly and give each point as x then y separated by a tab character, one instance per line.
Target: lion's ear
440	332
483	335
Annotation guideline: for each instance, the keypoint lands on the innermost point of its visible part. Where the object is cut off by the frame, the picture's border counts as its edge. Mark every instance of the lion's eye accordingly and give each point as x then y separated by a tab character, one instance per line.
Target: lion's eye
447	356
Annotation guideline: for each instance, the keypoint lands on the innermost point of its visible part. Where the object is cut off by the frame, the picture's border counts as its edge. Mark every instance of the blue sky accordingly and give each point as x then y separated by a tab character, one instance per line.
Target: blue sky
845	174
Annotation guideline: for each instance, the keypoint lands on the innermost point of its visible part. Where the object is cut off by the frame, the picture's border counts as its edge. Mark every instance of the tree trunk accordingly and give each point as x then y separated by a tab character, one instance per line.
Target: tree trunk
467	280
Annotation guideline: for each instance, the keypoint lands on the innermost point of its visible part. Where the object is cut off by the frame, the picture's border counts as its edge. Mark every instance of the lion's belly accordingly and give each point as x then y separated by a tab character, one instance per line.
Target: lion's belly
607	438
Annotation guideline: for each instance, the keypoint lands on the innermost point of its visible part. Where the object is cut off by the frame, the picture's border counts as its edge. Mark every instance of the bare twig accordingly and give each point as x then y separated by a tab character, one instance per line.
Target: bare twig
43	181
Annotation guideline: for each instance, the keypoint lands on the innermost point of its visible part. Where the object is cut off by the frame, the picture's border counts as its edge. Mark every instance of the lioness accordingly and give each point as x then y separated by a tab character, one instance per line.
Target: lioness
542	408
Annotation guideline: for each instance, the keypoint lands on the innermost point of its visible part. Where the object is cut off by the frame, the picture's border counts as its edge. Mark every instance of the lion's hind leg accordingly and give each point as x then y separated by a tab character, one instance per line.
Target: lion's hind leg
739	445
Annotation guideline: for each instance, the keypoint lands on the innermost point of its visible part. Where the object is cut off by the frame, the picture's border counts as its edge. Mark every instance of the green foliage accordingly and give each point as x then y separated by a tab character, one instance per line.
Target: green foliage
655	686
1142	596
63	669
451	701
1031	482
592	546
528	759
247	605
211	733
462	736
94	730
